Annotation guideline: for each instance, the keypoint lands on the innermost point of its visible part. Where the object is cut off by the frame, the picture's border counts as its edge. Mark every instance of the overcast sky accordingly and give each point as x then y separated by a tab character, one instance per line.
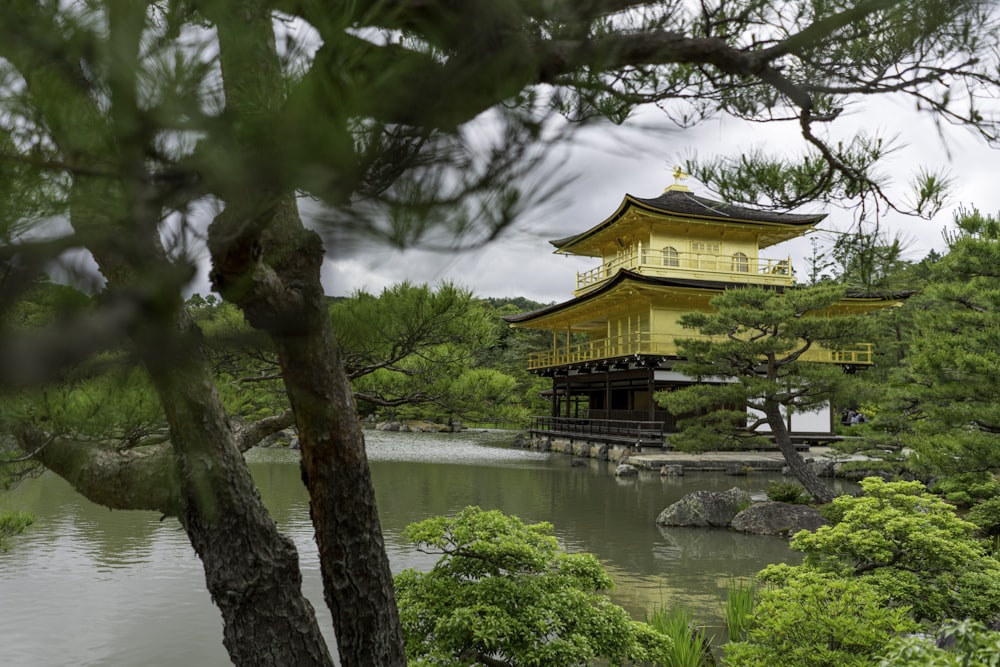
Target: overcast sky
610	161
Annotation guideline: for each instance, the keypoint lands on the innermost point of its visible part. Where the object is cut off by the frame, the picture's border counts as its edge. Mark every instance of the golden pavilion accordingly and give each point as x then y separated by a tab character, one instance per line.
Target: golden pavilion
613	343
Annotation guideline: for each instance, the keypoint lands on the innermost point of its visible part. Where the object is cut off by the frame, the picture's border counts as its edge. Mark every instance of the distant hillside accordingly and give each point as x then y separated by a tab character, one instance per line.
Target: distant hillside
521	303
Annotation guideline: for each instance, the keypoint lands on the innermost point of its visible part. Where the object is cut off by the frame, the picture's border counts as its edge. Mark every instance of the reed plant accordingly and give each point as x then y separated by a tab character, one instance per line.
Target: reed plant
691	647
738	608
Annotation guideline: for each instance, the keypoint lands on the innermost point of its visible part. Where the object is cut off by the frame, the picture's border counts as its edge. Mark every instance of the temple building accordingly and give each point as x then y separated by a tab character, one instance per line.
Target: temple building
613	342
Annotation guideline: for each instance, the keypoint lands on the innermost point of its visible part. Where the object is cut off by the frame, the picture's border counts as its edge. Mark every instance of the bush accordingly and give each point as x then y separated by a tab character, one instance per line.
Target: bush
787	492
812	619
986	516
504	591
971	645
967	488
909	545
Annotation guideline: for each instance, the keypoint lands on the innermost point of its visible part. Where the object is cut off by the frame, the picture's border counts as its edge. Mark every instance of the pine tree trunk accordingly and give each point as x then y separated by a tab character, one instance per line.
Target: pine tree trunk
251	570
802	471
357	581
267	263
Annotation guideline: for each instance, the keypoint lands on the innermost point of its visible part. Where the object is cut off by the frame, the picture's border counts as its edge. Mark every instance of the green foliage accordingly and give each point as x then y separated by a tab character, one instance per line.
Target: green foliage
986	516
504	589
738	608
910	547
243	360
118	405
815	619
756	336
972	645
413	345
968	487
870	262
11	524
946	403
787	492
413	351
691	647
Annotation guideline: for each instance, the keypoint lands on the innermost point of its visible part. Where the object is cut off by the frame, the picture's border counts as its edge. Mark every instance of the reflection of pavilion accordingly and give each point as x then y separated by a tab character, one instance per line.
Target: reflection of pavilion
613	343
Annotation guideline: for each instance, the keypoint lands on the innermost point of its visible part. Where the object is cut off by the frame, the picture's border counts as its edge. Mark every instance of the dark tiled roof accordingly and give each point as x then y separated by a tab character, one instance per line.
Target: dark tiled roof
694	284
681	202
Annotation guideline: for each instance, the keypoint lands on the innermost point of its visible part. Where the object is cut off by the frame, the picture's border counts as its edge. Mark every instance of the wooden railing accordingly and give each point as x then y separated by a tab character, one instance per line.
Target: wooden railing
627	432
728	268
663	345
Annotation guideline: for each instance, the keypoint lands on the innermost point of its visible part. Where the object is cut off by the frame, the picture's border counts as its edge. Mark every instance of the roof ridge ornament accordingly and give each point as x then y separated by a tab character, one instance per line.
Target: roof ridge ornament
678	175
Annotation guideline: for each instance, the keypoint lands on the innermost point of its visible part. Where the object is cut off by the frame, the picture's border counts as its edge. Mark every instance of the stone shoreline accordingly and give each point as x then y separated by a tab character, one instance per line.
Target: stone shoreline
826	459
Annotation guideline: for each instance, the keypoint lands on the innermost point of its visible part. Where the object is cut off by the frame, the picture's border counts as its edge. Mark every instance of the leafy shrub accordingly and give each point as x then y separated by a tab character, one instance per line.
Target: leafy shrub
967	488
986	515
787	492
911	547
972	645
504	591
814	619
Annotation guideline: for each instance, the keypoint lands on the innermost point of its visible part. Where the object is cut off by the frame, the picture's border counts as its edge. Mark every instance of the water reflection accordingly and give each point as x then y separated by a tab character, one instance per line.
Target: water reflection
87	586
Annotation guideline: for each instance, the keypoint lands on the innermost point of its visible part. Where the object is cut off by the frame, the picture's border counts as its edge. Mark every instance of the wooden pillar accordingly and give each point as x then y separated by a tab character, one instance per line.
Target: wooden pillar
651	385
607	393
555	395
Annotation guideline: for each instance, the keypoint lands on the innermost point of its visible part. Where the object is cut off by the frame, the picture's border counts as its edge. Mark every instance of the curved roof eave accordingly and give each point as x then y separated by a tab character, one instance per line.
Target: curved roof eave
686	204
619	278
633	276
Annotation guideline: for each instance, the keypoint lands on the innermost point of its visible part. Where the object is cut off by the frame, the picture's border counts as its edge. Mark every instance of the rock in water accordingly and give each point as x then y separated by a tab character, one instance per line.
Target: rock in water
705	508
774	518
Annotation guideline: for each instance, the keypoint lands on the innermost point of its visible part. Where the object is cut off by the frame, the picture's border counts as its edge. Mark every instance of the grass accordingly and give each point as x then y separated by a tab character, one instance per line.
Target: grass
738	607
690	645
12	523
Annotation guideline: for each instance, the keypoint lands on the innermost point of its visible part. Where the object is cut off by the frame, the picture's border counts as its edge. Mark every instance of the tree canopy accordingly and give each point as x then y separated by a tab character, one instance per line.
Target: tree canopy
750	355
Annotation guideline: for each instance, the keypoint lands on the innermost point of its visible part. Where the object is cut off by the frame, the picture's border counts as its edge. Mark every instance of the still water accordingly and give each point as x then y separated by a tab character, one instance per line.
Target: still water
88	586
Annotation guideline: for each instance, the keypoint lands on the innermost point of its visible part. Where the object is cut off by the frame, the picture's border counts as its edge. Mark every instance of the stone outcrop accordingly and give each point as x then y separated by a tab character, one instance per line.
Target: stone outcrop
705	508
671	470
774	518
625	470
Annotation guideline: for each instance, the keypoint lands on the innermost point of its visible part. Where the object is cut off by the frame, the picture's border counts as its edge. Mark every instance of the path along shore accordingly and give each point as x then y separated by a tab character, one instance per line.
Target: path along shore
760	461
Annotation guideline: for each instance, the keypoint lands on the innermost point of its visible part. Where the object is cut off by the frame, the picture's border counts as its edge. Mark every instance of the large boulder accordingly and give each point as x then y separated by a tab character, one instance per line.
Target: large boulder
774	518
705	508
626	470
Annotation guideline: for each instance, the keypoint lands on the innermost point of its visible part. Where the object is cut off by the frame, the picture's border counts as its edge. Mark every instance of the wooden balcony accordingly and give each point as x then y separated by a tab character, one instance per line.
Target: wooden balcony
694	266
632	433
664	345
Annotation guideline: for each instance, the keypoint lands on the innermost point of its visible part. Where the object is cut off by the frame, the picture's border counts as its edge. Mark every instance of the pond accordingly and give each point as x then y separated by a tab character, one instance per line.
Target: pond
88	586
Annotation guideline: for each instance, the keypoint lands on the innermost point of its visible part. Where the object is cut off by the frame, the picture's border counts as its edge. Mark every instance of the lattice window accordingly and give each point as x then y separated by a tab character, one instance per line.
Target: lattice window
670	257
706	253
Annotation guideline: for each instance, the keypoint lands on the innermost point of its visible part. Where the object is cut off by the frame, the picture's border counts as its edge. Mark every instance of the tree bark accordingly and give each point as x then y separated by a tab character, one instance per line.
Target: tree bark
802	471
268	264
357	581
278	287
144	478
251	569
